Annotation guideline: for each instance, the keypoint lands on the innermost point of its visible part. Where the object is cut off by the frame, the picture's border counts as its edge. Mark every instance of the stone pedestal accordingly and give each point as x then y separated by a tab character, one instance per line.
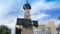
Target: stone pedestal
24	30
28	30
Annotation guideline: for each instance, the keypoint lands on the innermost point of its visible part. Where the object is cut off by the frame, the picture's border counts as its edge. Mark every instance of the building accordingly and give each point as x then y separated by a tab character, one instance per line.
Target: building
58	29
48	28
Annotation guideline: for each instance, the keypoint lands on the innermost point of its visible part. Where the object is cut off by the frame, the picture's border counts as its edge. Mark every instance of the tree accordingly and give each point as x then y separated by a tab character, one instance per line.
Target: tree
4	30
59	18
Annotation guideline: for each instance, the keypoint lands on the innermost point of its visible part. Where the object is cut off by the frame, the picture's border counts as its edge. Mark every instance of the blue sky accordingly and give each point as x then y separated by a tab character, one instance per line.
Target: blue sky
42	10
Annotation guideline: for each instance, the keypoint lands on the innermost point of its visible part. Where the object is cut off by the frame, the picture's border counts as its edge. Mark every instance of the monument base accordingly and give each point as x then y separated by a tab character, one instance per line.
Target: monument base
28	30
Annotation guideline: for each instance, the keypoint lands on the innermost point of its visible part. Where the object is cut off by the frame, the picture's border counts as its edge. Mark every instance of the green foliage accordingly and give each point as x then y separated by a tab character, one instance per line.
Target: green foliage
4	30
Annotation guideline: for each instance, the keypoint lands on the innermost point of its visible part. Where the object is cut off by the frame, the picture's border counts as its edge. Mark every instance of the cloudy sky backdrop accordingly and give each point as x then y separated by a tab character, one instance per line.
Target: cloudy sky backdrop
42	10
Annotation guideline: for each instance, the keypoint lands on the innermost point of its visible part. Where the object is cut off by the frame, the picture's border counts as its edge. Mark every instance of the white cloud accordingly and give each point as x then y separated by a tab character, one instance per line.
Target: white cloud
42	5
5	7
3	10
10	22
39	16
56	22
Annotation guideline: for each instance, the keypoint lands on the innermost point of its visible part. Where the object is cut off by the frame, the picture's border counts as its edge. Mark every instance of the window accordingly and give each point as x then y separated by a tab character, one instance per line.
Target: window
43	31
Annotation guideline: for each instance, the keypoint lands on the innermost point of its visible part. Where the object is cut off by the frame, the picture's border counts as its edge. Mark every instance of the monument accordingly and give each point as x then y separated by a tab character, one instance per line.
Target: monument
25	25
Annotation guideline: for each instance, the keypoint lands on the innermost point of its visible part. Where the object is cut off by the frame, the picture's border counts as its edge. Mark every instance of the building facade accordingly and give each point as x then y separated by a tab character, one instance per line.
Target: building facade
58	29
48	28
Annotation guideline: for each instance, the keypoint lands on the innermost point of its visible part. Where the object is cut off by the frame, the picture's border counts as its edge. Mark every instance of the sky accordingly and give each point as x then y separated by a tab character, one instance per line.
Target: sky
42	10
